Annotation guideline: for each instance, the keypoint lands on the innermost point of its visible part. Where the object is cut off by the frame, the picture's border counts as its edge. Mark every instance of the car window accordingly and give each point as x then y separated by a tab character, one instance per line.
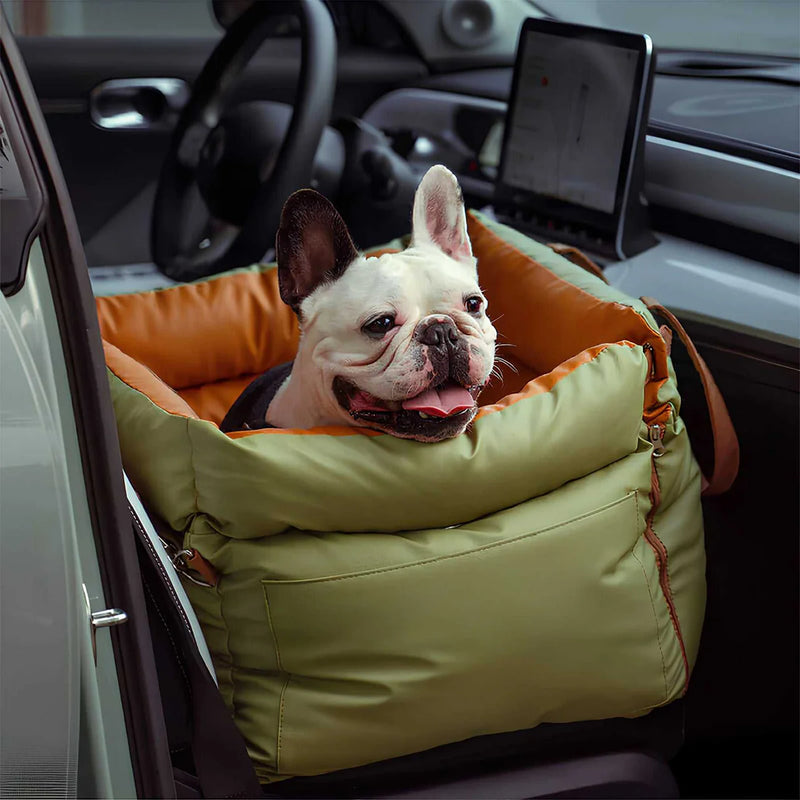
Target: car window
111	18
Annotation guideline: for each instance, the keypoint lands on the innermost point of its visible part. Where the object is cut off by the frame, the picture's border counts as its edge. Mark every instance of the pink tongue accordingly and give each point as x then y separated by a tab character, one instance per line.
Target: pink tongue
442	402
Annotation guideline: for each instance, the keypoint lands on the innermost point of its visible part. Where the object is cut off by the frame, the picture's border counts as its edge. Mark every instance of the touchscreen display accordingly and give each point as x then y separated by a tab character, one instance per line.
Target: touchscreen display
569	119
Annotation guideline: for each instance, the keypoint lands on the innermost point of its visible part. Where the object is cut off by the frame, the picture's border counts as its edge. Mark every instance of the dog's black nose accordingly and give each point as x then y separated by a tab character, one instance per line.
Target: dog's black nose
439	333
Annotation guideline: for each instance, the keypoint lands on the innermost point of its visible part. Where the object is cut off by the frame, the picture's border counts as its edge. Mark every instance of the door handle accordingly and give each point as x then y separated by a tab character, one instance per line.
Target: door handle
138	104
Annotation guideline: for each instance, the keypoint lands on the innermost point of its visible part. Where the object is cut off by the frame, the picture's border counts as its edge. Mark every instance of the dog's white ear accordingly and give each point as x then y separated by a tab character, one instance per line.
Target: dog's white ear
439	216
313	246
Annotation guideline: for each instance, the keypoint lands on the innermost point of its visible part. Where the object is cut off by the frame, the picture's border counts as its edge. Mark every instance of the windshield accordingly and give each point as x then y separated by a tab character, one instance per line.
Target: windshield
758	27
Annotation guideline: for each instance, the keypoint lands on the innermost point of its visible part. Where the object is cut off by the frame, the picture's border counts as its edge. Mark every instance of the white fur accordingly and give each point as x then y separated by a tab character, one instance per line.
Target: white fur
416	284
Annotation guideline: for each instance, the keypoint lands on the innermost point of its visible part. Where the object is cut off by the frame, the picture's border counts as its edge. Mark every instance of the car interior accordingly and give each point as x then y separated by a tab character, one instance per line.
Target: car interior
178	151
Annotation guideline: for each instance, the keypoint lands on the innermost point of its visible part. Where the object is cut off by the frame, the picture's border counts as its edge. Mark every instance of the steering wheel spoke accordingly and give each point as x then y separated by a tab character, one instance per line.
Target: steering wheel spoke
191	144
237	228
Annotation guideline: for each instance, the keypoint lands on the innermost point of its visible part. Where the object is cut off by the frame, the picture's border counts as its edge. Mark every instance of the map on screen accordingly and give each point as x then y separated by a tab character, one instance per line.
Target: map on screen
569	120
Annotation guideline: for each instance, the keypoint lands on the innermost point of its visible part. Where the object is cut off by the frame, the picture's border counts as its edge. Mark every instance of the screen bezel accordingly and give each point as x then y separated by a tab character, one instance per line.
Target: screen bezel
557	210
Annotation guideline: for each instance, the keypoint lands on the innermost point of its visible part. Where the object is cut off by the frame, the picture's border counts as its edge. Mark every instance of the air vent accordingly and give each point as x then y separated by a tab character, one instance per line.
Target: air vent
469	23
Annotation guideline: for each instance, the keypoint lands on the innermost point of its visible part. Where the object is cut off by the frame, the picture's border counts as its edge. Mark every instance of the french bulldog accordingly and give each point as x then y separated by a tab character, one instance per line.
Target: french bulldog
399	343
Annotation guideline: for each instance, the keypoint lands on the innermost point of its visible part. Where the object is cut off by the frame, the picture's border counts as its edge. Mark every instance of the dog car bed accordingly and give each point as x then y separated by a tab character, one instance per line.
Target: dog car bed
370	596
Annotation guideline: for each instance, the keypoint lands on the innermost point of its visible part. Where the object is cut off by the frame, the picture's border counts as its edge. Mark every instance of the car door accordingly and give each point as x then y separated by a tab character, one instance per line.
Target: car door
77	706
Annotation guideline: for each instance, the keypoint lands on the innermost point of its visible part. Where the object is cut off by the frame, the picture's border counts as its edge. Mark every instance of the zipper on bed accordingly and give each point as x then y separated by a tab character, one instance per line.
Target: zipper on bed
661	556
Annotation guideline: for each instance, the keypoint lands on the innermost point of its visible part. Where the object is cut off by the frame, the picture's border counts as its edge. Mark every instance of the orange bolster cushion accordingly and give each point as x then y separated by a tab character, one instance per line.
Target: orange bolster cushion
206	341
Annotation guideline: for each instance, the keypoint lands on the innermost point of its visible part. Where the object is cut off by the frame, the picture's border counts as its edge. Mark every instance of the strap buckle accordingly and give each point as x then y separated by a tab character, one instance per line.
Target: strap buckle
190	564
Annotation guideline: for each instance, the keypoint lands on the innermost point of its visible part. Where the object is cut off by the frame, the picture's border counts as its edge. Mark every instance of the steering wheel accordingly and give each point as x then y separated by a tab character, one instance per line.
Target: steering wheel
214	170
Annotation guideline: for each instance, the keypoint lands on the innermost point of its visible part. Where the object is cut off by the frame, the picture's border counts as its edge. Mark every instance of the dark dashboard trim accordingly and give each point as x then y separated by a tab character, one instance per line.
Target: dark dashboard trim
752	151
722	236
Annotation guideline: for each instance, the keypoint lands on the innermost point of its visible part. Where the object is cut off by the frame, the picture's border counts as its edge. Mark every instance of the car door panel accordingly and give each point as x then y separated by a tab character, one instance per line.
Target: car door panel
111	174
53	667
39	633
55	313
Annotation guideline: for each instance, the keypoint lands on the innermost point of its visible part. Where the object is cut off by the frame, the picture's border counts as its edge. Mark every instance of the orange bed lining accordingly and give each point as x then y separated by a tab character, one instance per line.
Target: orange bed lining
206	341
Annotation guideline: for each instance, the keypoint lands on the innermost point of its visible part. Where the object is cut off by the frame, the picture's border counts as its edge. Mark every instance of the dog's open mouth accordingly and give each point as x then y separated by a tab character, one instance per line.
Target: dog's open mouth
436	413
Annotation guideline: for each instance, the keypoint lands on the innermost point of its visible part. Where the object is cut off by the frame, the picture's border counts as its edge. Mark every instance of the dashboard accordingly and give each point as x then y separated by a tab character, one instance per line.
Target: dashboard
728	196
730	260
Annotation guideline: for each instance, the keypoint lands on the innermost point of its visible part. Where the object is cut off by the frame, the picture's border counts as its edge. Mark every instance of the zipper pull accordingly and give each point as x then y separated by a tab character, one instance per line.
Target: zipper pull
656	436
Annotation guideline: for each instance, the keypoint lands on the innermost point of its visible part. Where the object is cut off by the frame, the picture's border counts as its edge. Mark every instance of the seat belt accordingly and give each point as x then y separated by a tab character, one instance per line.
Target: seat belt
167	555
219	753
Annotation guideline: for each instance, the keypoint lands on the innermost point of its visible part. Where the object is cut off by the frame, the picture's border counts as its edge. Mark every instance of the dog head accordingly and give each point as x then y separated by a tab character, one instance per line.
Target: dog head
400	343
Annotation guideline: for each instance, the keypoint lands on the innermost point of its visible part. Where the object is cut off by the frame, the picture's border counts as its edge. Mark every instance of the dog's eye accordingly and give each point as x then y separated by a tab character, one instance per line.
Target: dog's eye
379	326
474	304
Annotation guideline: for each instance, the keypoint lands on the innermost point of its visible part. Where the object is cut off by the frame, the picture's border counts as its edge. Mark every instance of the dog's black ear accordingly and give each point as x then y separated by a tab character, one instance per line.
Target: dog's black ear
313	245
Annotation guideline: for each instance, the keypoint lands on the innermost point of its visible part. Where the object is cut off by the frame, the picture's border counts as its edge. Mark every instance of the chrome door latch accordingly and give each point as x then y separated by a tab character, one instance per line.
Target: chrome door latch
107	618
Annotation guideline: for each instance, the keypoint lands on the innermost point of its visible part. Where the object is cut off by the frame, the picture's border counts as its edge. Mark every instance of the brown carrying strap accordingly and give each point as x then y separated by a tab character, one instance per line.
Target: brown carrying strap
726	445
577	257
194	561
